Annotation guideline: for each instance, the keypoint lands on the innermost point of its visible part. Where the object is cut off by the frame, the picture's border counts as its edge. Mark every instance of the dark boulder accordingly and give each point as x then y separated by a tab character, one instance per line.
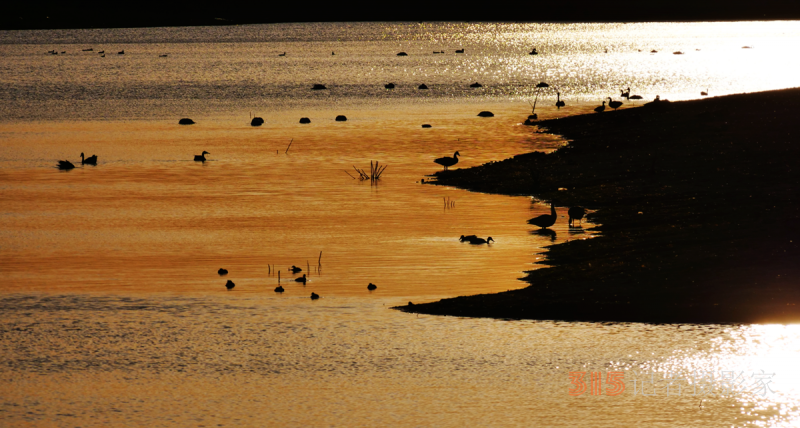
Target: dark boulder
257	121
305	120
186	121
318	86
389	86
402	54
486	114
423	86
426	126
341	118
476	85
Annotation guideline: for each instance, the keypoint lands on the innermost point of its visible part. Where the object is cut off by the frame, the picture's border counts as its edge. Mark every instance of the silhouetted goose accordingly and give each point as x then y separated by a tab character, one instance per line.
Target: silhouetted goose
559	103
460	51
65	164
371	286
479	241
545	220
222	271
295	269
625	94
423	86
282	54
534	52
92	160
201	157
302	279
704	93
575	213
279	289
122	52
476	85
601	108
229	285
635	97
447	161
389	86
614	104
314	296
467	238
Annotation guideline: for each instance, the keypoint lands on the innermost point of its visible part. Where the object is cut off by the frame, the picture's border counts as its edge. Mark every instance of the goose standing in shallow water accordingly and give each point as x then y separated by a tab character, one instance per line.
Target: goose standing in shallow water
447	161
545	220
575	213
201	157
92	160
601	108
559	103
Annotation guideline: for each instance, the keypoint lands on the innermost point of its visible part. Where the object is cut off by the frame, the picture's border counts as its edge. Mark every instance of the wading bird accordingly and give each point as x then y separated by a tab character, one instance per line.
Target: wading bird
575	213
601	108
614	104
545	220
704	93
559	103
201	157
447	161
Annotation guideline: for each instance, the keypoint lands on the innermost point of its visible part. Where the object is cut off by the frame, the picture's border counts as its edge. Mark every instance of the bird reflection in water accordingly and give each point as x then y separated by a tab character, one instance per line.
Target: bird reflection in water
546	233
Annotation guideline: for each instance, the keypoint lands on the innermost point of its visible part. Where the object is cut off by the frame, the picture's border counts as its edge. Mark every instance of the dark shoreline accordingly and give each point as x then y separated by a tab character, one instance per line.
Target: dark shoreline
699	206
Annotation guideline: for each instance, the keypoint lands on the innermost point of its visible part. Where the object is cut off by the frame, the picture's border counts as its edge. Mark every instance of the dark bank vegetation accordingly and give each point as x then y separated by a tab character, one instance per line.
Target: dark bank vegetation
699	207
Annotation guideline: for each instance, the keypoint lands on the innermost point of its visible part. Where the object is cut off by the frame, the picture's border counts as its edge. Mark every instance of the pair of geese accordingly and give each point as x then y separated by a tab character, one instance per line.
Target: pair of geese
65	164
546	220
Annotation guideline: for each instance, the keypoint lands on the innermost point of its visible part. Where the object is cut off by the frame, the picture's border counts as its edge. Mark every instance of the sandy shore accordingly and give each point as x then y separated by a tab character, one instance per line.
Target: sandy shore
699	206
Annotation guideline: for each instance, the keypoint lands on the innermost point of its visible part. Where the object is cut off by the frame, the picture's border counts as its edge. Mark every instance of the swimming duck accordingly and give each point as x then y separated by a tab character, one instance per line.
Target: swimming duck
302	279
201	157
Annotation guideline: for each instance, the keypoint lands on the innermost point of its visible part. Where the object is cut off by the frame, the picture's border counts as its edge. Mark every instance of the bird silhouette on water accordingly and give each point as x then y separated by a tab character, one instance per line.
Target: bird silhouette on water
559	103
295	269
201	157
545	220
479	241
222	271
92	160
467	238
614	104
301	279
447	161
601	108
65	164
575	213
314	296
371	286
279	289
229	285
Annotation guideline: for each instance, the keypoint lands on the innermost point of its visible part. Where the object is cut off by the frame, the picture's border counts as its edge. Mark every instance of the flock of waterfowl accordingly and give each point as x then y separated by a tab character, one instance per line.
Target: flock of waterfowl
279	289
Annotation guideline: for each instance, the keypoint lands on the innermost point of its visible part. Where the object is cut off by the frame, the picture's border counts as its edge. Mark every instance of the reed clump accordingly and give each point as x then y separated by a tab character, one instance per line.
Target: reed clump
375	172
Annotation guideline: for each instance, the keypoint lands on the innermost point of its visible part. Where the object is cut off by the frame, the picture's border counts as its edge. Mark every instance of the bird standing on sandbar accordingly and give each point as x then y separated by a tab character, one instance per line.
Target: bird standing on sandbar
201	157
614	104
601	108
545	220
92	160
575	213
447	161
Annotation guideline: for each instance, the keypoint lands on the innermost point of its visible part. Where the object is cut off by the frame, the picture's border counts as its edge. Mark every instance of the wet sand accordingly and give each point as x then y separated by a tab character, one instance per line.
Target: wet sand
699	208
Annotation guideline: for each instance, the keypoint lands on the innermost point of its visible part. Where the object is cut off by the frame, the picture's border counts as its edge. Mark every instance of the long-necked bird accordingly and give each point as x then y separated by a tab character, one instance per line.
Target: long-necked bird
601	108
92	160
447	161
614	104
201	157
559	103
545	220
302	279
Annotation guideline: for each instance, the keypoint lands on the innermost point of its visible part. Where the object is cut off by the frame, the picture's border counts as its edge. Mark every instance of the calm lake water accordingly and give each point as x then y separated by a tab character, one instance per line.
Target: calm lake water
112	310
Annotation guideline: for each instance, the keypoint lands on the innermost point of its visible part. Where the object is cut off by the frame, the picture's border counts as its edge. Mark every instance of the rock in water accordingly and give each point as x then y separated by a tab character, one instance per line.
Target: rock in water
341	118
305	120
229	285
186	121
486	114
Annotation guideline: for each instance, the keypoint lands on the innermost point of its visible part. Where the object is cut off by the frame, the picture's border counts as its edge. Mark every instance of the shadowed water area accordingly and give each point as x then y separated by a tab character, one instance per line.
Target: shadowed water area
112	309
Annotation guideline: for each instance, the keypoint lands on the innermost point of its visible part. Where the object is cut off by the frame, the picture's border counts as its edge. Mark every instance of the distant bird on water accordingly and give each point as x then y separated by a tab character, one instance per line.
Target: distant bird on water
229	285
65	164
575	213
614	104
301	279
480	241
545	220
279	289
704	93
314	296
201	157
601	108
371	286
222	271
295	269
467	238
283	54
559	103
626	94
92	160
447	161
